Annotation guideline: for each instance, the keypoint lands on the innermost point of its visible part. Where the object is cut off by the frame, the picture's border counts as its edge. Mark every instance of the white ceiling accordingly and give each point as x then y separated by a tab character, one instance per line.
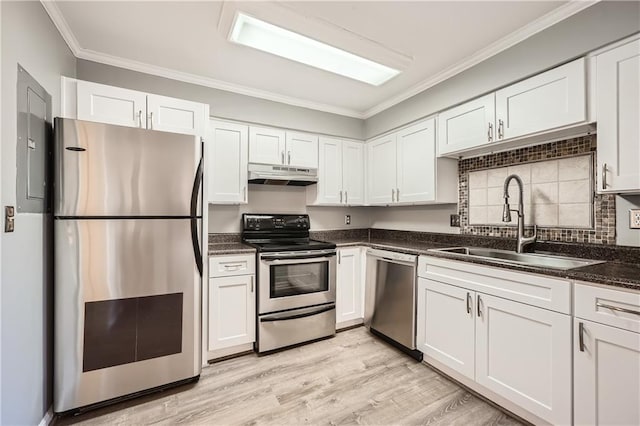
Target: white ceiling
186	41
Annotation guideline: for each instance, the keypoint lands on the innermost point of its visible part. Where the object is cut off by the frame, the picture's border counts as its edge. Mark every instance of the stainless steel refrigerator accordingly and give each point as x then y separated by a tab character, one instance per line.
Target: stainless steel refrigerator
128	264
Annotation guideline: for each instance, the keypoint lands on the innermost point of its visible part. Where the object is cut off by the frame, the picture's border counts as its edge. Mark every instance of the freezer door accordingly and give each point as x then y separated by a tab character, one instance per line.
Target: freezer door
107	170
127	308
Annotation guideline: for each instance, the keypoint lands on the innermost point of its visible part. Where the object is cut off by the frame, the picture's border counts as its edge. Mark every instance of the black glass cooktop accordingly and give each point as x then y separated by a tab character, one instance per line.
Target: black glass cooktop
290	245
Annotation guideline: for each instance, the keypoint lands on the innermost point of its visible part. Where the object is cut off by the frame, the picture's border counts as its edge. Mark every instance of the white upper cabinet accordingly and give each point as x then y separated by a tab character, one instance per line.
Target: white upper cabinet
266	145
124	107
111	105
416	169
403	168
330	177
302	150
175	115
381	167
618	108
468	125
226	162
353	172
553	99
340	173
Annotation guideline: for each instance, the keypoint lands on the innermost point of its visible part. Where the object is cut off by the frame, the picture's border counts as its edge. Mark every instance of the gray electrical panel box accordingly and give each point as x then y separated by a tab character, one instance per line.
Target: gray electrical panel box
33	145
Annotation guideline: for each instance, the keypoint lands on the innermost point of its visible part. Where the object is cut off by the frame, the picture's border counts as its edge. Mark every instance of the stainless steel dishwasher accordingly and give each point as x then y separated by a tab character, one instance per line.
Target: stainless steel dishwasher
390	298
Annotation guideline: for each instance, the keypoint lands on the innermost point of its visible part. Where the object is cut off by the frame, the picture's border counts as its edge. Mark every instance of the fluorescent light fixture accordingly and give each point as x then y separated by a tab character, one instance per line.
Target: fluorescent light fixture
272	39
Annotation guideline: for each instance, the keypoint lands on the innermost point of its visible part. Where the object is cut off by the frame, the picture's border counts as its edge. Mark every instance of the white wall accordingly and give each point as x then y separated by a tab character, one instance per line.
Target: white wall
414	218
284	199
588	30
28	38
624	235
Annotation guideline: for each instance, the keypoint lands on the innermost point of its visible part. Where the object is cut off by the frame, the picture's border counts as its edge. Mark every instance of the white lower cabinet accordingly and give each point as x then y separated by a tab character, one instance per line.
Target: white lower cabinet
606	356
446	325
349	287
523	353
230	319
509	349
232	313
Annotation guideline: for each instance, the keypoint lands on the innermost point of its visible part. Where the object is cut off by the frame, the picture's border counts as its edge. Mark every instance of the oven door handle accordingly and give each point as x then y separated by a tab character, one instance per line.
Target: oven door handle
285	317
273	258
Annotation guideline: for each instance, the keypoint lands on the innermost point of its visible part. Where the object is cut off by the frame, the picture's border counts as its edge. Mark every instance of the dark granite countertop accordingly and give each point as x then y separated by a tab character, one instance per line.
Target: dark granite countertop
216	249
613	273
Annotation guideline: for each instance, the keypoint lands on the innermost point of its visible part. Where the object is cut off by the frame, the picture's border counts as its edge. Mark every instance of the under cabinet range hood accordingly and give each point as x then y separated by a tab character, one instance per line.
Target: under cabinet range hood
267	174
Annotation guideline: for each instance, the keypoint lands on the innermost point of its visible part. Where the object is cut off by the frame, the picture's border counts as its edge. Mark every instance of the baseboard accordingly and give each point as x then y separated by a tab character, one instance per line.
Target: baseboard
48	418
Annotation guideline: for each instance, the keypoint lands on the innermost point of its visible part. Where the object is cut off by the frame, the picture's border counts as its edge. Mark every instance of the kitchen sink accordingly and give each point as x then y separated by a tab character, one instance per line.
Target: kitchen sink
541	260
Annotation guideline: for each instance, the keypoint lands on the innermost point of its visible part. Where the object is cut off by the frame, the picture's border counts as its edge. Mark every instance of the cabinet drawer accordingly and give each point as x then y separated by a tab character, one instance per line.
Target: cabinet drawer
226	266
608	306
533	289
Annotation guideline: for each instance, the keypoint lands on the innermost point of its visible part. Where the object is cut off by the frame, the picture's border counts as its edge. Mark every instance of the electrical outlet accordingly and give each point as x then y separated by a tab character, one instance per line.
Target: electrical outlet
454	220
347	219
634	219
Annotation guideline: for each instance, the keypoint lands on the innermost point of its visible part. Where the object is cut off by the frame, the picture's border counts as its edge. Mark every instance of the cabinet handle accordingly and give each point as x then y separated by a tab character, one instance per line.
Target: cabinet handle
397	195
500	129
490	132
346	197
618	309
581	336
393	195
479	311
604	176
151	120
288	157
339	257
282	155
140	118
468	302
244	193
340	197
251	283
233	267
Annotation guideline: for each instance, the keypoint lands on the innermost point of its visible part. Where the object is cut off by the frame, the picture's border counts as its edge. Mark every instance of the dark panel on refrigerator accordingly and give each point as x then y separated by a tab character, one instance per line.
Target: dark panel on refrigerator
159	326
109	333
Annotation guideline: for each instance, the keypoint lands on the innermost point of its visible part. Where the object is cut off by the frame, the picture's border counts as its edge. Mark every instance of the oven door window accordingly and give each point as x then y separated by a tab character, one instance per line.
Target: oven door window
297	279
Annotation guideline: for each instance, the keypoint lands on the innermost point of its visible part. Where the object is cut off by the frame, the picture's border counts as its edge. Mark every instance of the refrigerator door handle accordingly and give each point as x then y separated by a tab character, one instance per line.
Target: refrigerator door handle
197	183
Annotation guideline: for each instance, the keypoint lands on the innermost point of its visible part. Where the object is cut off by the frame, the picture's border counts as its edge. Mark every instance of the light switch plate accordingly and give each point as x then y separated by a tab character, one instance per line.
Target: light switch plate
634	219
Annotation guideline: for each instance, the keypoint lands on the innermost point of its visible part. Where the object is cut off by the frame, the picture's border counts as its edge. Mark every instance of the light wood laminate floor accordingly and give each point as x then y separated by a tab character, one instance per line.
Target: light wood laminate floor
353	378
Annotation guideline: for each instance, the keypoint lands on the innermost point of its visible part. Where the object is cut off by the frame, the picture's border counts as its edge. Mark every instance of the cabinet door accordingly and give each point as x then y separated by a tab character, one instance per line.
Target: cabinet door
226	164
555	98
232	310
606	375
523	354
381	166
330	172
349	286
446	325
266	146
353	172
416	163
175	115
468	125
302	150
618	109
111	105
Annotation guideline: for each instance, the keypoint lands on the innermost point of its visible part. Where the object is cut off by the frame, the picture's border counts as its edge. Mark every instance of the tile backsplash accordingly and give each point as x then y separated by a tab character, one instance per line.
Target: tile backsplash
558	193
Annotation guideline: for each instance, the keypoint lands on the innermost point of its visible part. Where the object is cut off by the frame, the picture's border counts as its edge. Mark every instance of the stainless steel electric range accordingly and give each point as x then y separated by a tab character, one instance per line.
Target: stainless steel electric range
296	280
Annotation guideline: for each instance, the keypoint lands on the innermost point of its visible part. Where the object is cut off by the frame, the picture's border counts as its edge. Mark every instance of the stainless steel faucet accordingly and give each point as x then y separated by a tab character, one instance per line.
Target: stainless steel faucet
522	241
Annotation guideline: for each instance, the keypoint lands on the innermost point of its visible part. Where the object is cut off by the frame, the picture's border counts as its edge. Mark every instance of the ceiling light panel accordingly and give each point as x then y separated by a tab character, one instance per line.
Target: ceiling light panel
270	38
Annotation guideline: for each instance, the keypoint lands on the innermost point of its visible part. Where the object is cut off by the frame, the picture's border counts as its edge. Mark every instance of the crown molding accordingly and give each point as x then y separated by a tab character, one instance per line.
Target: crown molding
61	24
540	24
557	15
